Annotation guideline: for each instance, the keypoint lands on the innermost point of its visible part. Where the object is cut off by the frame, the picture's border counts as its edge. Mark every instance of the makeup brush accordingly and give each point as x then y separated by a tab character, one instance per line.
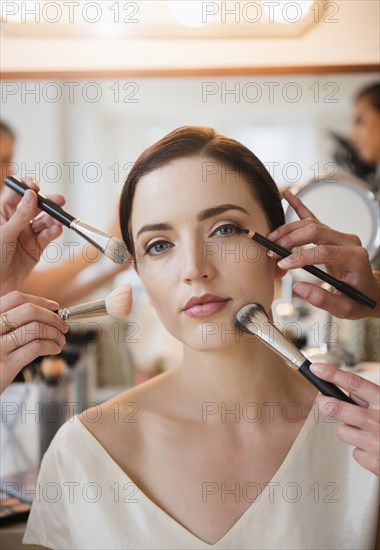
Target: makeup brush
253	319
118	304
110	246
336	283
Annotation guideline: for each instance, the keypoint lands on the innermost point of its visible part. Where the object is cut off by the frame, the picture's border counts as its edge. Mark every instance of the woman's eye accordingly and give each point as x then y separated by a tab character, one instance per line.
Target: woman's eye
228	229
156	250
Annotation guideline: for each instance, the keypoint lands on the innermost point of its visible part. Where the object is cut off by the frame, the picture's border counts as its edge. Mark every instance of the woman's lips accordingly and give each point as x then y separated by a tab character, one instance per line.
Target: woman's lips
203	310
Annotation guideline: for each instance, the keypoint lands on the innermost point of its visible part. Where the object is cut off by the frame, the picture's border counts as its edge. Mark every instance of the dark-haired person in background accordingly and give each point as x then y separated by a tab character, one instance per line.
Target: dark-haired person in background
365	135
360	153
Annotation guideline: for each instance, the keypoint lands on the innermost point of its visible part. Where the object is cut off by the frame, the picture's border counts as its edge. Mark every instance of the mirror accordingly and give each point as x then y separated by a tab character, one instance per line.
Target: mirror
344	203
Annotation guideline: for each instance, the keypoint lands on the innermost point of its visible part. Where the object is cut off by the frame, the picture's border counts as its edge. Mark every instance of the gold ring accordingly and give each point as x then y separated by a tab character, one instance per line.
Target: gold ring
5	325
12	336
32	228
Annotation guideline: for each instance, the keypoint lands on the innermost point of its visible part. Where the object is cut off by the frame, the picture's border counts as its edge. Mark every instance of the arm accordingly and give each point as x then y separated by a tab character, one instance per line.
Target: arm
59	282
342	254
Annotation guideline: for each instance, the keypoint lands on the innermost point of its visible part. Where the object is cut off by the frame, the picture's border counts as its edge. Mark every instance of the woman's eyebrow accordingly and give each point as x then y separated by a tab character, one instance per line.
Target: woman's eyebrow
202	216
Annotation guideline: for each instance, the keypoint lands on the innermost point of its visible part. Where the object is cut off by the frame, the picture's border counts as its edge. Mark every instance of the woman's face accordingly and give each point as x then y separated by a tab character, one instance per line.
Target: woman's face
198	250
365	135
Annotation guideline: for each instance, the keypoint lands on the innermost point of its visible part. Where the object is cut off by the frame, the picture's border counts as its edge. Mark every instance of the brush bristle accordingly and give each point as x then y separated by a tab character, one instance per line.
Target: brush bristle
249	314
119	302
116	251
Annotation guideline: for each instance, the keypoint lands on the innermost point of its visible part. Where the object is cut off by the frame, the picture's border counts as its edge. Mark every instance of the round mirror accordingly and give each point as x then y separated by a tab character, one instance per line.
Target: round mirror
345	203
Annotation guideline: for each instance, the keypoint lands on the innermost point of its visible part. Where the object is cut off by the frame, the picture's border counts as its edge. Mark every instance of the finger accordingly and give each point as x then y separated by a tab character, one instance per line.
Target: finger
327	254
354	384
287	228
58	199
367	461
17	298
32	183
334	409
352	415
335	303
11	365
48	235
300	208
367	441
29	332
317	233
43	221
10	197
28	312
26	209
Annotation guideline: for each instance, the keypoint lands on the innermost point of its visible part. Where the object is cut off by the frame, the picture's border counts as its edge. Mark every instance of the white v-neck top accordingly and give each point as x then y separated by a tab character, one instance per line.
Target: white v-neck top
319	498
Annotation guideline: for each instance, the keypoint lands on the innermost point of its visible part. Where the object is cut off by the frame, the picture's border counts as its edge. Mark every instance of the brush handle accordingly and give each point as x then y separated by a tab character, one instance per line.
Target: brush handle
326	388
83	311
45	204
336	283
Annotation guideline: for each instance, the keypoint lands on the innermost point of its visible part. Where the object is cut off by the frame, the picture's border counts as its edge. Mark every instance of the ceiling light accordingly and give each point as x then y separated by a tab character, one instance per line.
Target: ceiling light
188	12
284	11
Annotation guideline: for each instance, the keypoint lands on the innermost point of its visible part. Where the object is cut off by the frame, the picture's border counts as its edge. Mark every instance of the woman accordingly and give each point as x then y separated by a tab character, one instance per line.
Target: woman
225	450
365	134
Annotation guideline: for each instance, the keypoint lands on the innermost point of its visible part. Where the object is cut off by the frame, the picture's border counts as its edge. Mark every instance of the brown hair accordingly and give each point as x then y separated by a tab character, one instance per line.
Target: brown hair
191	141
371	94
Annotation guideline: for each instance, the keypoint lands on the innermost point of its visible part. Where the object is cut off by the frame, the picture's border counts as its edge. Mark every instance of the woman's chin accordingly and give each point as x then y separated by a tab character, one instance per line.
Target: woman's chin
212	335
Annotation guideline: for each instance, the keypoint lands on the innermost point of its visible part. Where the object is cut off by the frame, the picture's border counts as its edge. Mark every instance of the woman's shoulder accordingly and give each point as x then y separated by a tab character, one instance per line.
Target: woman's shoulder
122	422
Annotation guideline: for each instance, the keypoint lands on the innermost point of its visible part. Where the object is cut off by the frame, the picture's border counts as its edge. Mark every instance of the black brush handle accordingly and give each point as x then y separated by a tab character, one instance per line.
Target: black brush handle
327	388
336	283
45	204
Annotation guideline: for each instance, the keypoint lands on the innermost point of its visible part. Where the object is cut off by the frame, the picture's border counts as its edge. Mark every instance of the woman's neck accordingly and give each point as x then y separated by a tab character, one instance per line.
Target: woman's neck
240	373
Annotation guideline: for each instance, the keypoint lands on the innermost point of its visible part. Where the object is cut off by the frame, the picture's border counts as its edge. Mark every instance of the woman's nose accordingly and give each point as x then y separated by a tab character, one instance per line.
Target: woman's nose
196	263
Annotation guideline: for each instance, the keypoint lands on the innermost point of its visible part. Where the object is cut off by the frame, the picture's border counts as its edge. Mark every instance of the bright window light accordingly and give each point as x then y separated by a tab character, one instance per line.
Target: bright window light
188	12
286	11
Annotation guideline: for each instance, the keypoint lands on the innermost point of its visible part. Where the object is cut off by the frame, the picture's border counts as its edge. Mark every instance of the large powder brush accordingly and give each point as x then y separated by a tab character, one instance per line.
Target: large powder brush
253	319
118	304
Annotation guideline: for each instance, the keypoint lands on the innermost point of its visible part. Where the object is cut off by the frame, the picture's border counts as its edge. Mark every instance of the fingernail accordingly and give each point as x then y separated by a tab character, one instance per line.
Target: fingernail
272	235
270	253
53	305
318	368
283	263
